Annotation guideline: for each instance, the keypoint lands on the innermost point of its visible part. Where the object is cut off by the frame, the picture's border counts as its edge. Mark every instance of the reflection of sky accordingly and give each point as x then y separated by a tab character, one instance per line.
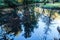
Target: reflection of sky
39	32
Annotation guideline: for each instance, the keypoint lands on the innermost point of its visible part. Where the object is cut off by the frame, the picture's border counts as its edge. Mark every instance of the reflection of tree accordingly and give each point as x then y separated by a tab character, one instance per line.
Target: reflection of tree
47	20
14	24
47	28
11	24
29	22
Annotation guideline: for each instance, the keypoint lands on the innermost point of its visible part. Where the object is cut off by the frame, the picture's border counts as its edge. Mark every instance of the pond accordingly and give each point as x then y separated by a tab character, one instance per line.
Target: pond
29	25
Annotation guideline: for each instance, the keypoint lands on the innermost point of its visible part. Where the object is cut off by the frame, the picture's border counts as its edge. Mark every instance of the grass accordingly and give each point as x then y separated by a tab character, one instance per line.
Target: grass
52	5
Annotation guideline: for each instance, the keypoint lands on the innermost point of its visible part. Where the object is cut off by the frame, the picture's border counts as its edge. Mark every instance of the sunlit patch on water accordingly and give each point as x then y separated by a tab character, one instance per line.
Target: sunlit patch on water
56	16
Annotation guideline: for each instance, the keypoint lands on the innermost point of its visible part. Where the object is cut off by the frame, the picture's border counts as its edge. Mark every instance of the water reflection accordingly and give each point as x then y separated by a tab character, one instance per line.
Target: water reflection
13	20
11	24
29	23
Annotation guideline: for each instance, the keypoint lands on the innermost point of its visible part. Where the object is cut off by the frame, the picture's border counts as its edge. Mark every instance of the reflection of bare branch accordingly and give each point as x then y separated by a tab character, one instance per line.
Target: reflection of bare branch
58	28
